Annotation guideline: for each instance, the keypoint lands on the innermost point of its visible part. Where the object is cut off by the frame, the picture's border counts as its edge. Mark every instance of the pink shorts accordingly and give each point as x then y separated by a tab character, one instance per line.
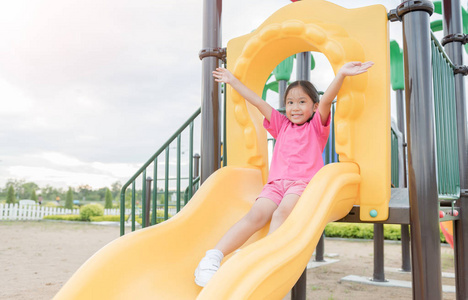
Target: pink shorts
276	190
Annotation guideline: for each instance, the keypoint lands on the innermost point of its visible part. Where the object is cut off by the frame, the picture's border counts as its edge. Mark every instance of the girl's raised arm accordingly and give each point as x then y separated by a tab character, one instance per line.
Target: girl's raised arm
223	75
350	69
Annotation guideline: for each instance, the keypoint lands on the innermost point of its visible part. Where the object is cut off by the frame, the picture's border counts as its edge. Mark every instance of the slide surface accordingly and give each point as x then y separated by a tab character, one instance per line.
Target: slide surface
158	262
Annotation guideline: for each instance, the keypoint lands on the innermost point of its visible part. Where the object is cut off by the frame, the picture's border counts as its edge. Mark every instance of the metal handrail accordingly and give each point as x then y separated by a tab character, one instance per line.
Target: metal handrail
142	171
448	179
442	51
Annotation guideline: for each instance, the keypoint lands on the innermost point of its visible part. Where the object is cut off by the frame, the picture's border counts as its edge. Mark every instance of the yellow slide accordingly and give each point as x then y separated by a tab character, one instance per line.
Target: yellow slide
159	262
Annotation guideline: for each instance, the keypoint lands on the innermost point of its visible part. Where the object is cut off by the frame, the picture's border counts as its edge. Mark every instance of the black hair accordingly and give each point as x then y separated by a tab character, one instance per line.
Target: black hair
307	87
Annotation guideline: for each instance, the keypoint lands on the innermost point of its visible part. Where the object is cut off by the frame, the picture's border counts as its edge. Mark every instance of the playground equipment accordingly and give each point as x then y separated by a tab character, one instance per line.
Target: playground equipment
159	261
270	267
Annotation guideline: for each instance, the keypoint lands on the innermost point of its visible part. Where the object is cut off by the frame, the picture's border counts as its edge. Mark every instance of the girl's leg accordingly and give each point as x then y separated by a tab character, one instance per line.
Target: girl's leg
283	211
256	218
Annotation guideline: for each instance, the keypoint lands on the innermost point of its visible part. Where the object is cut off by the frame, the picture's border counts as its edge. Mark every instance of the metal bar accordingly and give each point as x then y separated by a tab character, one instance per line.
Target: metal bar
282	85
196	171
298	291
178	174
405	248
155	192
425	239
122	212
442	51
303	66
148	201
143	199
452	21
327	152
190	185
133	205
440	143
210	125
166	186
224	123
405	236
401	126
319	250
379	274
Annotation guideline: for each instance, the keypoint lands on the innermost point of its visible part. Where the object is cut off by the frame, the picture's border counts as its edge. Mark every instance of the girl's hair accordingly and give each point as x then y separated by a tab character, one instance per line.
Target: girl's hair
307	87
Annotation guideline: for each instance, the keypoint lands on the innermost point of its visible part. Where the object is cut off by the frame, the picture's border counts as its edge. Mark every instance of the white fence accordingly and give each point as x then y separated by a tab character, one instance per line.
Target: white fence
13	212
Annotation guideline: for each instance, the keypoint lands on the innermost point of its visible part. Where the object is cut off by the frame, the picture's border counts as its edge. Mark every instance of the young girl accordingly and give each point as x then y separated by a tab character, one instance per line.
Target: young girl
300	136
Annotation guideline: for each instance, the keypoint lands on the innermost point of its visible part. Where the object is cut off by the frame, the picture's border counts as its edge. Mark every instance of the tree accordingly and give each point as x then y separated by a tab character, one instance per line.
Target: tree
49	192
116	187
11	195
69	199
27	189
108	199
33	195
101	193
84	190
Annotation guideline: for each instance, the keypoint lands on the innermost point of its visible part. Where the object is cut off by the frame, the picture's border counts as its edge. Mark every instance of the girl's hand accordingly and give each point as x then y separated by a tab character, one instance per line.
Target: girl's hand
223	75
355	68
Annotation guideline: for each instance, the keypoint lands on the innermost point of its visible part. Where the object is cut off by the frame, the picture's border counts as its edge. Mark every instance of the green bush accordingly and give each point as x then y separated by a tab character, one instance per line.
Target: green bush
91	210
365	231
105	219
64	217
50	204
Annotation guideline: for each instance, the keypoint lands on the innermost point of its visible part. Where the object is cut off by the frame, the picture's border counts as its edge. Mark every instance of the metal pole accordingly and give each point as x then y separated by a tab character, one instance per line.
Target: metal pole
452	23
320	249
210	108
405	236
303	66
401	126
282	85
196	169
405	248
379	274
148	201
423	195
298	292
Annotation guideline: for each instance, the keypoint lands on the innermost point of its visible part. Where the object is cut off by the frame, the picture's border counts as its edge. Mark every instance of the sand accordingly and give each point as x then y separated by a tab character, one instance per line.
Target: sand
38	257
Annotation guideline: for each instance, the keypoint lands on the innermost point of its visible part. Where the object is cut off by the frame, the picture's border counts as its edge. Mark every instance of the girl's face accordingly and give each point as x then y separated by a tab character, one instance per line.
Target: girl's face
299	106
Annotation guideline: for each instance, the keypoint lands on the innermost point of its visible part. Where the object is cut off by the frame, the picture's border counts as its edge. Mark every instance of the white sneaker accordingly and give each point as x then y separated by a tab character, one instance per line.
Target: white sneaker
208	267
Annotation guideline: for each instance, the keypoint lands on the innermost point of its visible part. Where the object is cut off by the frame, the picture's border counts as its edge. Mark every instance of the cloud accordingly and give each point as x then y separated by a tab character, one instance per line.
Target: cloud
91	89
46	167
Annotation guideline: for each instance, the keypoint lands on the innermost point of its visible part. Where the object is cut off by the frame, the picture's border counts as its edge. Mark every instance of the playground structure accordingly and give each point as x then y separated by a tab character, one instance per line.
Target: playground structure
269	266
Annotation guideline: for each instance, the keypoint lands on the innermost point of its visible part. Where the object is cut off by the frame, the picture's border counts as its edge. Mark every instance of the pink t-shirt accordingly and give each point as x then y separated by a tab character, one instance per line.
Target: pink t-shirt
298	149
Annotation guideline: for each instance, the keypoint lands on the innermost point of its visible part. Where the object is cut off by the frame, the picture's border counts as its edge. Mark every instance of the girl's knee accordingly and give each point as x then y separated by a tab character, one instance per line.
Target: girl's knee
257	218
280	214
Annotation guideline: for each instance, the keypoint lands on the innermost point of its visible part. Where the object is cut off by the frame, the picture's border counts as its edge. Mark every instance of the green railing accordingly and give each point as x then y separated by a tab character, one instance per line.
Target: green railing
149	186
448	175
394	159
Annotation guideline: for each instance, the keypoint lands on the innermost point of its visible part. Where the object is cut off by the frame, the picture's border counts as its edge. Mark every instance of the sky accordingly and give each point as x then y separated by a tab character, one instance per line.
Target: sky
89	90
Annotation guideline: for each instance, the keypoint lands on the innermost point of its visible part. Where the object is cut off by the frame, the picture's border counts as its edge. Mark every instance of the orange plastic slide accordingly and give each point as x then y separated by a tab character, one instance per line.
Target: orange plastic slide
159	262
